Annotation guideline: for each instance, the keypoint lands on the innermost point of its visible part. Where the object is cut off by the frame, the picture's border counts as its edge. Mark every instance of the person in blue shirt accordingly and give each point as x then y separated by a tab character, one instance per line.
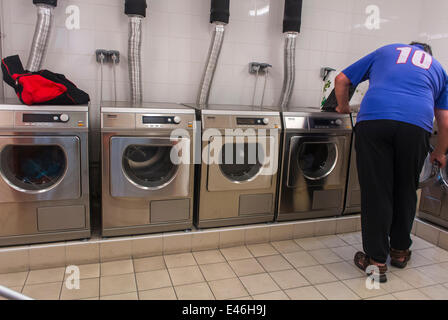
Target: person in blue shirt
408	87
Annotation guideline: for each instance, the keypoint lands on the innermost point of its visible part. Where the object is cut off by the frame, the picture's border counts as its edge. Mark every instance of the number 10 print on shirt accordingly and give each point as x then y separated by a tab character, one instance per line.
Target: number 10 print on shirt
420	58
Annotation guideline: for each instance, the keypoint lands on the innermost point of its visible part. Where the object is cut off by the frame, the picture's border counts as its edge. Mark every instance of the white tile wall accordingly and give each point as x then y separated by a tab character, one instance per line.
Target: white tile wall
177	35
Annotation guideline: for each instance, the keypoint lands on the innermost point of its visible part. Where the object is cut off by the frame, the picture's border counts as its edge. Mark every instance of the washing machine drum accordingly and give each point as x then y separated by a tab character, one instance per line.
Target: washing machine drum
149	166
317	160
243	162
33	168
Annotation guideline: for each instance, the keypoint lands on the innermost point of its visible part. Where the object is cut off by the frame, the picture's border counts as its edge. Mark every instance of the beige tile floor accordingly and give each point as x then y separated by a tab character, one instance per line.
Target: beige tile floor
301	269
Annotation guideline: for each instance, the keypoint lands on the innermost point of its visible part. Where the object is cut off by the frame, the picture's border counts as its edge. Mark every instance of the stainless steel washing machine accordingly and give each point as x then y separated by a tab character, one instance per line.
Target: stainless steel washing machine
44	187
148	169
238	174
353	197
316	148
434	197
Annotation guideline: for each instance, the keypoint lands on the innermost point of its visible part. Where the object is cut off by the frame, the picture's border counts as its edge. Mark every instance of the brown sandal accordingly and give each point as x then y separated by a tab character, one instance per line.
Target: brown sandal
396	257
363	261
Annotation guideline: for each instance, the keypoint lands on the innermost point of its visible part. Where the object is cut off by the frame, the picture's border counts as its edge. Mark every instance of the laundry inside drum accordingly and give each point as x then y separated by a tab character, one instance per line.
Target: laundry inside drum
33	167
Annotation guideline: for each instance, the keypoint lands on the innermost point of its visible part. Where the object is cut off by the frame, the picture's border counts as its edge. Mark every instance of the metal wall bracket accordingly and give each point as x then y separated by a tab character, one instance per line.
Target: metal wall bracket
107	56
259	68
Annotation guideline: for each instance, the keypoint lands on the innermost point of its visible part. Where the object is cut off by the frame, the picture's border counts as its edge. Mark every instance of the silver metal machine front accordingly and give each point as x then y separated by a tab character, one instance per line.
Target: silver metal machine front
353	197
44	180
238	172
434	195
315	158
148	169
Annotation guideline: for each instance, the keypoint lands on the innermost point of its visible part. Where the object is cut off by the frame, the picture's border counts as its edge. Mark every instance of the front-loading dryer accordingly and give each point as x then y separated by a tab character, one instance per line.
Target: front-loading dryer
44	178
315	157
148	169
237	181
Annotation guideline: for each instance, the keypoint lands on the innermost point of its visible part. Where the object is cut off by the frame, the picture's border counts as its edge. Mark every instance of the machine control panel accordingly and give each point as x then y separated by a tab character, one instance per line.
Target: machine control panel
306	122
243	121
51	119
161	120
144	121
323	123
45	117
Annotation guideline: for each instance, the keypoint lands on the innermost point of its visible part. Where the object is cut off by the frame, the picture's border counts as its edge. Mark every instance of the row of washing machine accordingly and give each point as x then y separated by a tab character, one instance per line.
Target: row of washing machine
167	167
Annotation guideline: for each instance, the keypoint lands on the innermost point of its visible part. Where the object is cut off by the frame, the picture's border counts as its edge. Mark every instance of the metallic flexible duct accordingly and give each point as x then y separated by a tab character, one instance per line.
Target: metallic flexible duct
134	57
41	37
212	61
290	69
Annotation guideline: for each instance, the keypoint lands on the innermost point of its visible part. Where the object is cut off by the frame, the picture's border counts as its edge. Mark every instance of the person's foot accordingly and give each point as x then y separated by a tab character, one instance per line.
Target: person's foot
400	258
363	262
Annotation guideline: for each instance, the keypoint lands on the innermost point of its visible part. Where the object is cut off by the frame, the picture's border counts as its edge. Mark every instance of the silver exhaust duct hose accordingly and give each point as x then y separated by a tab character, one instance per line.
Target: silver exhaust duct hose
134	58
290	69
219	16
210	68
42	33
136	10
292	22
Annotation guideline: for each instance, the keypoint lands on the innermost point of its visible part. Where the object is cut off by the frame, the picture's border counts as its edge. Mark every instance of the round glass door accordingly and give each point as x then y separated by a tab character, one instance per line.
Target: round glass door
317	159
33	168
149	167
243	161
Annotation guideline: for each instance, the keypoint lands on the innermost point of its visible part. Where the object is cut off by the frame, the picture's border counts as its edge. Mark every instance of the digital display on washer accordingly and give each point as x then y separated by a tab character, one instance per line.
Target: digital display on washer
157	120
249	121
323	123
40	118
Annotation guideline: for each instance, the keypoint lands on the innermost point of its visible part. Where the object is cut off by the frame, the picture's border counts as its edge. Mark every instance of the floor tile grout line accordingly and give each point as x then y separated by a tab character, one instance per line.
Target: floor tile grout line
265	271
205	279
135	279
62	285
328	269
171	280
326	298
26	280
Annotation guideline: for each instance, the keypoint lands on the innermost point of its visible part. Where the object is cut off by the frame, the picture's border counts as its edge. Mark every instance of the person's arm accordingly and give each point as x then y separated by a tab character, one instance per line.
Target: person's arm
341	90
353	75
439	153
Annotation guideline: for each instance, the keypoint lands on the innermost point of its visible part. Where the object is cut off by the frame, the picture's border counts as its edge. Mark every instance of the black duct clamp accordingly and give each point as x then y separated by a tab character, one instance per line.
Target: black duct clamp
292	20
137	7
53	3
220	11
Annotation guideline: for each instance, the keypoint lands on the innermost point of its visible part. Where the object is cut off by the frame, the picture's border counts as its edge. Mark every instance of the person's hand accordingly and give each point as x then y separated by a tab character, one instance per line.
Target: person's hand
440	158
343	109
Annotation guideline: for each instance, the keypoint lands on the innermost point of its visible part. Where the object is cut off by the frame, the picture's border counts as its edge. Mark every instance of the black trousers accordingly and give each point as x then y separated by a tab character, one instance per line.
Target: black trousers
390	156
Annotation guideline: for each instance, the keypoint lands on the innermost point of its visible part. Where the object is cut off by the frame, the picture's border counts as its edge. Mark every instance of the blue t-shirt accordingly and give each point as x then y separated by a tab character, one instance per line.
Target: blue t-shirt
406	84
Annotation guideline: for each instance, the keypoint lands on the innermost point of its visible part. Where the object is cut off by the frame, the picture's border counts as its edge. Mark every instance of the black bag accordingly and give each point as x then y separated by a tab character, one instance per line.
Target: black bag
42	87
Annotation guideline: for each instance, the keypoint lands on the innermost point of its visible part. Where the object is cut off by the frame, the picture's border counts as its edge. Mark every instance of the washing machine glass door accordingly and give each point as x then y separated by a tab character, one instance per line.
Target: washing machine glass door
241	163
149	166
314	158
39	168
